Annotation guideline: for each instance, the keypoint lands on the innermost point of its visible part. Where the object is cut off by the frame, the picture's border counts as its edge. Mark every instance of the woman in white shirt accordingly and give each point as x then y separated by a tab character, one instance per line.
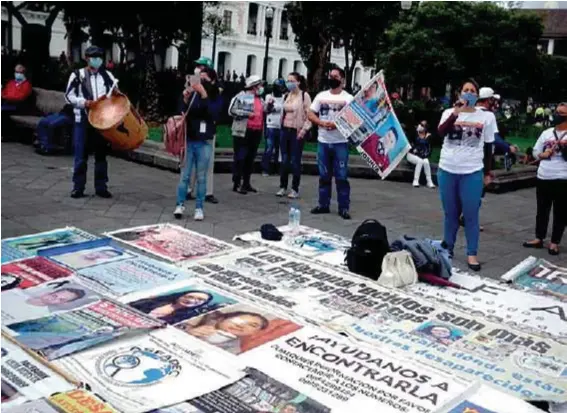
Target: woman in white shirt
466	151
551	190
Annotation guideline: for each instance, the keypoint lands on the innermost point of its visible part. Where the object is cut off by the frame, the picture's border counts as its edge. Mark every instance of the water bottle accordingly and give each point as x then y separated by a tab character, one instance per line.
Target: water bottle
297	221
291	221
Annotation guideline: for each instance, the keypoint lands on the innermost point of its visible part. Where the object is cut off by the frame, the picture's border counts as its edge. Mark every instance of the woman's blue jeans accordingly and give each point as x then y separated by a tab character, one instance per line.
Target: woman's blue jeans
292	150
461	194
197	155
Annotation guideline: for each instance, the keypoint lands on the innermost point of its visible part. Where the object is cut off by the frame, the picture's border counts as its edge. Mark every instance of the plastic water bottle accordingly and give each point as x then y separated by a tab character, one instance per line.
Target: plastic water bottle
297	221
291	221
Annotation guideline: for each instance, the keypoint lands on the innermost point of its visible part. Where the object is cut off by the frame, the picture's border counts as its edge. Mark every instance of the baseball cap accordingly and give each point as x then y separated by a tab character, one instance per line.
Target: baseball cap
485	93
205	61
94	51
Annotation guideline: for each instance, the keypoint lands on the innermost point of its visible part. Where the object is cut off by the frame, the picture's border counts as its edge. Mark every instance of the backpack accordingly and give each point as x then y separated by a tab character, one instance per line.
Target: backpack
398	270
368	248
175	133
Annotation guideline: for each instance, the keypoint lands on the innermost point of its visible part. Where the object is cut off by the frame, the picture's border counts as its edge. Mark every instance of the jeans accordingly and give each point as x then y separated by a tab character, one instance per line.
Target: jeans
245	150
332	159
292	149
461	194
86	139
197	155
47	126
273	137
210	172
551	193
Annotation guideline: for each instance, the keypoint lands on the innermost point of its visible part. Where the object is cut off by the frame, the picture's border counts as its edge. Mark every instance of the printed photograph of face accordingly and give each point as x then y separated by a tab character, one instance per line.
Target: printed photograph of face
181	304
10	281
439	332
30	272
373	100
91	257
238	328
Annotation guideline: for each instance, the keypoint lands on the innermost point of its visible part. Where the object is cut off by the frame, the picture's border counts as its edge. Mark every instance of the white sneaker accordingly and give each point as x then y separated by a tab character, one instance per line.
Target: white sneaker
431	185
179	211
281	192
293	194
199	215
415	184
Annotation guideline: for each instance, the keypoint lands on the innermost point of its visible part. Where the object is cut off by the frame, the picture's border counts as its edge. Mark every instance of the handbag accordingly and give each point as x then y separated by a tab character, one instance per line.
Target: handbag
398	270
175	133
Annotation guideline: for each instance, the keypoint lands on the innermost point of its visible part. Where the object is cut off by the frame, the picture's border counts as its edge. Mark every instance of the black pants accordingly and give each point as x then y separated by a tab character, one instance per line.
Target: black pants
552	192
245	150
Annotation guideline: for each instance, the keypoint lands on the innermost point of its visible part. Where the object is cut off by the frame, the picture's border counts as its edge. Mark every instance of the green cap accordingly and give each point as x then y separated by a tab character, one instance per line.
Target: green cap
205	61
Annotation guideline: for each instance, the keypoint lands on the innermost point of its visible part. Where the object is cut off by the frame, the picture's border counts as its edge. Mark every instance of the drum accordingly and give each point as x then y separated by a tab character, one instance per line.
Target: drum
118	122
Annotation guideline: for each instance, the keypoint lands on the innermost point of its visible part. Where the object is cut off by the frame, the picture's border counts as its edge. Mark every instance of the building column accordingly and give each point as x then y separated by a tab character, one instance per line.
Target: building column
245	10
260	22
550	46
276	24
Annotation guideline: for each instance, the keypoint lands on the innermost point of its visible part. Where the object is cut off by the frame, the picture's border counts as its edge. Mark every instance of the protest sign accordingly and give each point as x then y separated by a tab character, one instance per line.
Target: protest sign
500	303
179	302
59	295
25	379
28	245
370	123
171	242
162	368
351	377
307	242
30	272
540	277
80	401
67	333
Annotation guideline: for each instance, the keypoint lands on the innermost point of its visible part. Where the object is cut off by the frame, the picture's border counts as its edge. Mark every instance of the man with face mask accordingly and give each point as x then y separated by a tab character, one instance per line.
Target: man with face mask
14	97
85	87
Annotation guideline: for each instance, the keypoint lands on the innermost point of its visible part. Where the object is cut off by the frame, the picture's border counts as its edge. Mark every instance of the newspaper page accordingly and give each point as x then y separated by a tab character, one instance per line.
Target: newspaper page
540	277
35	406
66	333
30	272
370	124
171	242
163	368
25	379
29	245
80	401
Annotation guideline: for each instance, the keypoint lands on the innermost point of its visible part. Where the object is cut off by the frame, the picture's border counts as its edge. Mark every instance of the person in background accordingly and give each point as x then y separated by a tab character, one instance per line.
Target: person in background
274	104
49	124
332	148
247	108
15	98
227	77
466	152
551	189
419	154
203	103
234	76
84	88
202	64
295	125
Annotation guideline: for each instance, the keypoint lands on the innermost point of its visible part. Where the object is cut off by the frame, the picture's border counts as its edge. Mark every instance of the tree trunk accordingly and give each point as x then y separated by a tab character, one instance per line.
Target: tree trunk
149	97
317	66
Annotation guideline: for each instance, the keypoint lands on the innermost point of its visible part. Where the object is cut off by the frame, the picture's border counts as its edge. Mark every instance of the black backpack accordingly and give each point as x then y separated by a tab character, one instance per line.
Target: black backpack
368	248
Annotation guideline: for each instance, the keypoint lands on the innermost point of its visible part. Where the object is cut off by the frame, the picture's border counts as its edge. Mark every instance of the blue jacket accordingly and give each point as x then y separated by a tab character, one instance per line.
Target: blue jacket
202	117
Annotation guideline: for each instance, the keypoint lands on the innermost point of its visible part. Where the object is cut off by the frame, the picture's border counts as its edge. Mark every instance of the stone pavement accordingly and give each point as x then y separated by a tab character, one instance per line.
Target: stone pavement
35	197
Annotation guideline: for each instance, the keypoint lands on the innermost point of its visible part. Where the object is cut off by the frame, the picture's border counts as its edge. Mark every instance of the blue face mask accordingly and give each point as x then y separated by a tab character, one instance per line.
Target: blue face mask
471	98
291	86
20	77
95	62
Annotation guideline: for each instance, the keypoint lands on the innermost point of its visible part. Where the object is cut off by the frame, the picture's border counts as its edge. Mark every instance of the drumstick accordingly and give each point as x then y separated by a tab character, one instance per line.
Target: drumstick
112	88
41	360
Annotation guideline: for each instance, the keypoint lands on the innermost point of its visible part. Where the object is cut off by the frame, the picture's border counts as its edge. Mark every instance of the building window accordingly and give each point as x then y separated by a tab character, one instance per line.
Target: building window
227	20
4	33
284	27
252	18
560	47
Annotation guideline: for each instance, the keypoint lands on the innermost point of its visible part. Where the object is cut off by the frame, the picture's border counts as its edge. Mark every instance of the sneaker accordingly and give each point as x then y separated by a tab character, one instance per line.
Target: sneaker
104	193
249	188
431	185
293	194
199	215
415	184
211	199
76	193
344	214
320	210
179	211
281	192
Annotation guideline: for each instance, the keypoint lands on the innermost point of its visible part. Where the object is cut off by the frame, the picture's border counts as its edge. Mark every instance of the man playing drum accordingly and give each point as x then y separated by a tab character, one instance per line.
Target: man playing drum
85	87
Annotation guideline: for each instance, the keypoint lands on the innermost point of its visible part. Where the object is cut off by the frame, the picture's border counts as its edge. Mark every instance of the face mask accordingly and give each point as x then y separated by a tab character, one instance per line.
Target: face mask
260	91
471	98
334	83
420	129
95	62
197	71
291	86
20	77
558	119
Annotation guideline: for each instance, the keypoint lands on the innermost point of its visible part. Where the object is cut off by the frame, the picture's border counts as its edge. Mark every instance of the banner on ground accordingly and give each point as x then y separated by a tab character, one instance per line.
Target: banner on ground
25	379
29	245
538	276
66	333
30	272
171	242
307	242
371	124
162	368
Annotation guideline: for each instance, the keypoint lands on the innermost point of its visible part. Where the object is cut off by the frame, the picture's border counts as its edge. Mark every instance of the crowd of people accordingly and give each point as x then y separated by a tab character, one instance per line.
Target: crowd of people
288	116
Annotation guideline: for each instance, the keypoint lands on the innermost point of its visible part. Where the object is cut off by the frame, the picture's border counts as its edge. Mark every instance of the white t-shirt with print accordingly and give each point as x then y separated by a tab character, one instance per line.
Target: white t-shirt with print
327	106
463	147
554	167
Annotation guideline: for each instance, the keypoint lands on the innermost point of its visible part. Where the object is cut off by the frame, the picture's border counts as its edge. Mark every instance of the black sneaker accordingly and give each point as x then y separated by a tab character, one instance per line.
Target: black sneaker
189	196
75	193
249	188
104	194
235	188
320	210
242	191
344	214
211	199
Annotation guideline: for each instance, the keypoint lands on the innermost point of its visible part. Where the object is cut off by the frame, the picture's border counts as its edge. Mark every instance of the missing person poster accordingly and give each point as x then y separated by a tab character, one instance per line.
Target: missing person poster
30	272
540	277
52	297
29	245
147	372
370	124
171	242
59	335
25	379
